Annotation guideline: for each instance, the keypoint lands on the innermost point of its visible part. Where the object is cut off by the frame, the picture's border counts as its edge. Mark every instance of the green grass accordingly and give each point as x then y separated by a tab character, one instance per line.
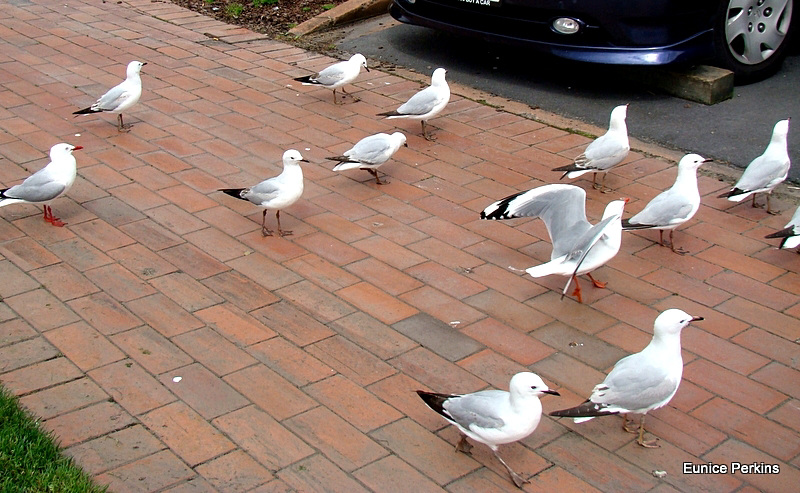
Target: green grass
234	9
30	459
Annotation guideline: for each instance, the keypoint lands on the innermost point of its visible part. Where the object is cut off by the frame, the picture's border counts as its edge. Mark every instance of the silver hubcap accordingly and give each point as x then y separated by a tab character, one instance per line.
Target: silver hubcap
756	28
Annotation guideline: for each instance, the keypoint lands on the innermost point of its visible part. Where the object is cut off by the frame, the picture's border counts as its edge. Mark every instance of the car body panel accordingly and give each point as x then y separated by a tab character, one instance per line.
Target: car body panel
655	32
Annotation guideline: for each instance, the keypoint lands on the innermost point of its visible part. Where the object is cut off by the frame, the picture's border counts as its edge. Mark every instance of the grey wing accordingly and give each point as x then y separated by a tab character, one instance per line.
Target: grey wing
604	152
331	75
760	172
634	384
112	99
263	192
420	103
372	150
478	409
663	210
36	188
562	208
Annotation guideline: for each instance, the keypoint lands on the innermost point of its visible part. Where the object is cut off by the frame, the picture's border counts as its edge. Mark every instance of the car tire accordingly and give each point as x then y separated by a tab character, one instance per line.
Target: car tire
752	37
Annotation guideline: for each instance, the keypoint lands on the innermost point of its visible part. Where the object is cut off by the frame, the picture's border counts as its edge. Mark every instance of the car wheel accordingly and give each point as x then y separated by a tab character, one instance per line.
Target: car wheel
751	37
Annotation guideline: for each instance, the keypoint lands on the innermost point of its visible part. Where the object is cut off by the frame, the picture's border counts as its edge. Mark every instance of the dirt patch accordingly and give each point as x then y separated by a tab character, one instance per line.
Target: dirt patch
271	17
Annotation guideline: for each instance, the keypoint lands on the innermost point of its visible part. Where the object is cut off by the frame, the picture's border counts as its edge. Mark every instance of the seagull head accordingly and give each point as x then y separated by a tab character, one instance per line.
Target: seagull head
781	128
529	384
615	208
134	68
293	157
618	116
692	161
672	322
360	59
401	138
62	149
437	79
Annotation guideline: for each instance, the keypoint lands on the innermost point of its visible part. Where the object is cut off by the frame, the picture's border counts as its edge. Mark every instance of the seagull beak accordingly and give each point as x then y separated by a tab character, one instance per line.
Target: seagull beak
77	148
695	319
626	199
551	392
707	160
305	161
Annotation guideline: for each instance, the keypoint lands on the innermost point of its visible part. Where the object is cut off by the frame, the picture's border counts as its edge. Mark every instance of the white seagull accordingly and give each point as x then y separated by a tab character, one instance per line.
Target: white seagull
425	104
47	184
370	152
120	97
765	172
642	381
790	234
337	75
494	417
673	207
276	193
604	152
578	247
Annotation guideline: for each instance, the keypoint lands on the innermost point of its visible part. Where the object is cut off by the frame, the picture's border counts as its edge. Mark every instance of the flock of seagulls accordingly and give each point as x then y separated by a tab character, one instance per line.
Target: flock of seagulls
637	384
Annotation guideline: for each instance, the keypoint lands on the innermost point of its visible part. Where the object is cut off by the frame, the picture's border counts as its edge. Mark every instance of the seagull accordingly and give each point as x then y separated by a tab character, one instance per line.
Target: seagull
337	75
370	152
494	417
47	184
673	207
604	152
790	234
578	247
121	97
276	193
425	104
642	381
765	172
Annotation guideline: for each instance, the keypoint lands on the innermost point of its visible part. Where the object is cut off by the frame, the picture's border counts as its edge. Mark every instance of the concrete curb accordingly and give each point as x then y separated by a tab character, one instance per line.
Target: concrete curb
350	11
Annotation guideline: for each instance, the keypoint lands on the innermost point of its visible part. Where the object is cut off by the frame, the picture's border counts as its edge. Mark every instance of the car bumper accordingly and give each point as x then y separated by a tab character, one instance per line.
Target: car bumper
639	42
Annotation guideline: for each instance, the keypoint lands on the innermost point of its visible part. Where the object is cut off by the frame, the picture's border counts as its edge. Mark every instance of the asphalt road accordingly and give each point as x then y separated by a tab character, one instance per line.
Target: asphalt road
734	131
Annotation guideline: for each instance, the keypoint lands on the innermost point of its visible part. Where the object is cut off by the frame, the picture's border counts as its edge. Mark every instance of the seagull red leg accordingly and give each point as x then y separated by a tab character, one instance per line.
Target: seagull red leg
264	230
597	284
577	292
280	231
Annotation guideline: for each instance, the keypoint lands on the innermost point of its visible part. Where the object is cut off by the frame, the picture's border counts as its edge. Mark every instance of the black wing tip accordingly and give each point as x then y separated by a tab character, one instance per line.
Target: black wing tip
731	193
305	78
567	168
233	192
784	233
586	410
434	400
626	224
85	111
389	113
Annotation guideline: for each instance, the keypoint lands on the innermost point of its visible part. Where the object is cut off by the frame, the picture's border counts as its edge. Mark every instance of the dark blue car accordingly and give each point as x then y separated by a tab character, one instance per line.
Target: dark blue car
748	37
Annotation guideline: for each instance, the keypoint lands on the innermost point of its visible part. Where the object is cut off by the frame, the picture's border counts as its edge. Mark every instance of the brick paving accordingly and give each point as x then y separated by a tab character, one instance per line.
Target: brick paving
298	356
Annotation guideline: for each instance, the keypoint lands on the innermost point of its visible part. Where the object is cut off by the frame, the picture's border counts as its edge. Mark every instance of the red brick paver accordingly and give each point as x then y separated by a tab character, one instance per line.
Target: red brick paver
172	348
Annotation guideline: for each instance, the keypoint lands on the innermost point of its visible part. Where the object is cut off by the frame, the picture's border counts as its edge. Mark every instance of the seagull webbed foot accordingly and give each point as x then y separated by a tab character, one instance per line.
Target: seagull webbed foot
464	446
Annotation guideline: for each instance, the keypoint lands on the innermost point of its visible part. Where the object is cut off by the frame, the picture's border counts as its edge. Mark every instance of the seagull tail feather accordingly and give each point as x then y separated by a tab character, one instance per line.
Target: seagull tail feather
389	113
